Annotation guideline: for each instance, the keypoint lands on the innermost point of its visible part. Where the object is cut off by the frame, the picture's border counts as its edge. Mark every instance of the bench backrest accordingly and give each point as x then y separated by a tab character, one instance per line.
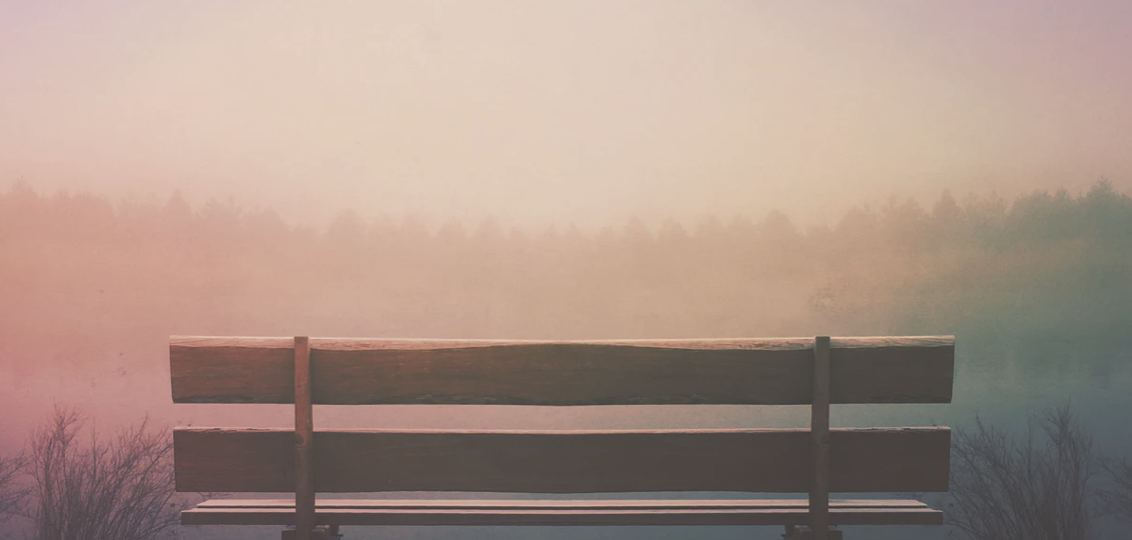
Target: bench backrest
628	372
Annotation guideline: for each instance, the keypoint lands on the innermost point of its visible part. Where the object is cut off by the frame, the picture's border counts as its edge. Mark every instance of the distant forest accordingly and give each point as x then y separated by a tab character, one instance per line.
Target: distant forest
1044	268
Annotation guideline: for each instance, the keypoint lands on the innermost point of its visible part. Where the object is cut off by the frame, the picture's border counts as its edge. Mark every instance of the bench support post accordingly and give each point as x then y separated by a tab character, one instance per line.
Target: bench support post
304	441
819	433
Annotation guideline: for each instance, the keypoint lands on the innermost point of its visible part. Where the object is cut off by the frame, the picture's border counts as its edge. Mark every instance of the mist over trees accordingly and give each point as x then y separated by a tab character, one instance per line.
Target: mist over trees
1057	260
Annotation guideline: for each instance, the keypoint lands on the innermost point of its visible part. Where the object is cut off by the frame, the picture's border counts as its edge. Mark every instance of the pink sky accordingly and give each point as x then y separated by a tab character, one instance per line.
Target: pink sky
581	111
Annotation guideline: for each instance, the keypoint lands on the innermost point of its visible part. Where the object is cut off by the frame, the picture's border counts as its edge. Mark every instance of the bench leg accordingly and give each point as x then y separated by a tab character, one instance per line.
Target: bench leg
320	532
802	532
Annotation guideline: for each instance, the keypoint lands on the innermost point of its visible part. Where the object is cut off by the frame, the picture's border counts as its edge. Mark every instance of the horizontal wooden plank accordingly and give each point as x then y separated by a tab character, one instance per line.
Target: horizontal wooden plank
751	460
562	512
575	504
624	372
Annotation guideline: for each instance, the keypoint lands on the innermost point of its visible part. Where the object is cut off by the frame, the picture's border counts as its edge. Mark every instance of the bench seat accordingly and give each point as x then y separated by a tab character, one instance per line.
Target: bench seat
532	512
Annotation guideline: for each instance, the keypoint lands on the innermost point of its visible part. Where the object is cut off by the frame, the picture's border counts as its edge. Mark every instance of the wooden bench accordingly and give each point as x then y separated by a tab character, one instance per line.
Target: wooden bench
815	461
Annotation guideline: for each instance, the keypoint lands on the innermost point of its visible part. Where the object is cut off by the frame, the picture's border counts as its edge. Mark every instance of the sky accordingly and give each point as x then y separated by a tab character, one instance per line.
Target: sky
588	111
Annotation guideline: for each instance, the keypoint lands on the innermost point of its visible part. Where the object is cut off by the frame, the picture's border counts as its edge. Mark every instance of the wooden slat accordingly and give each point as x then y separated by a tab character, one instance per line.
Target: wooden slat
754	460
627	372
562	512
819	442
304	441
572	504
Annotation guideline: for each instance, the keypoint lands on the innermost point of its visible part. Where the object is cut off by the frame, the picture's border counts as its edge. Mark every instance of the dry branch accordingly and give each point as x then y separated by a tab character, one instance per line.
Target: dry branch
121	488
1003	489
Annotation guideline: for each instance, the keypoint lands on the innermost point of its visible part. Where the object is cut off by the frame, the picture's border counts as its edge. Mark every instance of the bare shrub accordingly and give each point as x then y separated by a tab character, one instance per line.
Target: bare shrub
1118	496
11	492
92	489
1003	489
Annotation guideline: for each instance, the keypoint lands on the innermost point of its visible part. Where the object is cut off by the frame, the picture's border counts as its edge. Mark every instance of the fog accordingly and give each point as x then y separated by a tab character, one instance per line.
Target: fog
566	112
1036	291
566	170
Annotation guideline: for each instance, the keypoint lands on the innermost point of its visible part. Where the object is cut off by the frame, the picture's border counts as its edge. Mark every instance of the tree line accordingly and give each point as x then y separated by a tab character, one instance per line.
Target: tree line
1041	262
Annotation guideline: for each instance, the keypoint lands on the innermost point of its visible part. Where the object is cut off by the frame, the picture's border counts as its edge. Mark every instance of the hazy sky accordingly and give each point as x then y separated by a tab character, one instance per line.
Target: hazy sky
554	111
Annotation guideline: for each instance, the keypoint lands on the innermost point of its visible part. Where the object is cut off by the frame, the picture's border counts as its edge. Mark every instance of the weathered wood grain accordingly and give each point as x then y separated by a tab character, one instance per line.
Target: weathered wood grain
561	512
565	504
755	460
304	441
819	441
624	372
